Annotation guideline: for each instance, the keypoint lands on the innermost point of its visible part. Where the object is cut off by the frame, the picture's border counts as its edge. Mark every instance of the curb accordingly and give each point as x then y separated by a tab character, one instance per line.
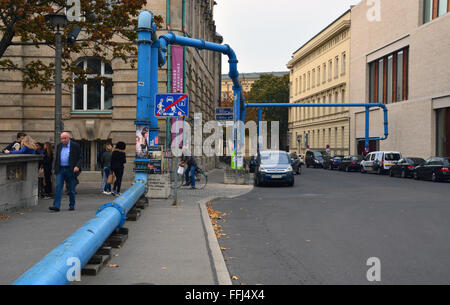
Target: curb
223	276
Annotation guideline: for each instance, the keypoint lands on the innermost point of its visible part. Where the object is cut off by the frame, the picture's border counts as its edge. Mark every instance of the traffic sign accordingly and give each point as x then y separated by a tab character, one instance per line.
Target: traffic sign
172	105
224	114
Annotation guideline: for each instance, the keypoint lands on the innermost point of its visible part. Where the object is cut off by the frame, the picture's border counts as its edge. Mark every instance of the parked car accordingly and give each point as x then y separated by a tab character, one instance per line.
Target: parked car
314	159
380	161
296	163
351	163
273	167
405	167
434	169
332	163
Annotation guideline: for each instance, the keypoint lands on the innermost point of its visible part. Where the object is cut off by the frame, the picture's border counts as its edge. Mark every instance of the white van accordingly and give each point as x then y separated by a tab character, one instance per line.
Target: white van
380	162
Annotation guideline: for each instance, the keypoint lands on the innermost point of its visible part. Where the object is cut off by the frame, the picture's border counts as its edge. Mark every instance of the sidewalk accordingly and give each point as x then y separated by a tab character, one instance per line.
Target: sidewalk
167	245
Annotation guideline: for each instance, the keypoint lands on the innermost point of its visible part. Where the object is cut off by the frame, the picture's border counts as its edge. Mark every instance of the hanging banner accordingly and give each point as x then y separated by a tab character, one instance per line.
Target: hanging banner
177	74
177	69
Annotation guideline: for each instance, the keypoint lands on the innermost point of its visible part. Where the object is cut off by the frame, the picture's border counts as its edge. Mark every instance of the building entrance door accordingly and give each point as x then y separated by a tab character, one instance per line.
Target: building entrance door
443	132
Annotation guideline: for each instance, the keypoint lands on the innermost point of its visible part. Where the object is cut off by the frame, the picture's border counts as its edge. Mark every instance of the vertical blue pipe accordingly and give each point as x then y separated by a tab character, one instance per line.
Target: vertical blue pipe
259	129
367	134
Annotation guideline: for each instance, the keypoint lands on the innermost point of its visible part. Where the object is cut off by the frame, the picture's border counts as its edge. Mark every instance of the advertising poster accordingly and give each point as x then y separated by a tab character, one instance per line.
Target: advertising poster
142	133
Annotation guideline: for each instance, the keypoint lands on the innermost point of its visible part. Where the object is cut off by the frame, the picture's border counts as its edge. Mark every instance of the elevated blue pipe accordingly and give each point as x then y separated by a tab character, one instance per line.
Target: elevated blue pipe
309	105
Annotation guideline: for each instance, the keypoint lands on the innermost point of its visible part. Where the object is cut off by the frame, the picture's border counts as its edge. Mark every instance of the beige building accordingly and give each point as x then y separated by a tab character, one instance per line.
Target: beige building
246	80
319	73
402	59
94	113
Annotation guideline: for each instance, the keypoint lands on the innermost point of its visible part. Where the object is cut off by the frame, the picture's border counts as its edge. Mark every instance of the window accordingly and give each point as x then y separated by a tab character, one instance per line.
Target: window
344	63
324	73
314	78
296	86
95	94
309	80
318	76
336	68
388	78
300	85
330	70
433	9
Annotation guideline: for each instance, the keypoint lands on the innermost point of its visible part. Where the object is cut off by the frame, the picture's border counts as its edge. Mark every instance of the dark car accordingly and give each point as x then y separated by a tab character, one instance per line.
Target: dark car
296	163
351	163
405	167
273	167
434	169
314	159
332	163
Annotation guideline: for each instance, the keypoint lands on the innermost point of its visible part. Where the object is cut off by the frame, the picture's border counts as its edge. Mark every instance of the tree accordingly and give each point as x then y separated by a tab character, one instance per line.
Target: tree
272	89
108	31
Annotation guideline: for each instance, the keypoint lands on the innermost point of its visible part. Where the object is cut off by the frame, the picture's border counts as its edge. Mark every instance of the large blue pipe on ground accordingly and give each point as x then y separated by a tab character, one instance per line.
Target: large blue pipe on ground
56	267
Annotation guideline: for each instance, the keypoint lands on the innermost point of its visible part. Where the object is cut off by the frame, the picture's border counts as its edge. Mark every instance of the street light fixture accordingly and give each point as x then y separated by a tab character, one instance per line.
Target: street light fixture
58	21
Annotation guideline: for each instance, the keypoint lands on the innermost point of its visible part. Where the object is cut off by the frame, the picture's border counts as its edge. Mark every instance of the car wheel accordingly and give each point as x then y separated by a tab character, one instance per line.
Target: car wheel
434	178
403	174
391	174
256	181
362	170
380	171
416	175
347	169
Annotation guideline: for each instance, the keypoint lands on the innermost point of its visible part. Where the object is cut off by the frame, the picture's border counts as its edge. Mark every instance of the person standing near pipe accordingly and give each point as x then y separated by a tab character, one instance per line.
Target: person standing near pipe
67	166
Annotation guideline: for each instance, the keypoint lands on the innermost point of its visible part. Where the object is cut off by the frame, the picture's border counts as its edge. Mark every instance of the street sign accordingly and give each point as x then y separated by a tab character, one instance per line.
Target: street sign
172	105
224	114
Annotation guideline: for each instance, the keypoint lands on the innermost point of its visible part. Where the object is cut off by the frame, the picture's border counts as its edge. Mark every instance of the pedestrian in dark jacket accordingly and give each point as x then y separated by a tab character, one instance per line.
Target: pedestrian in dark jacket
47	164
67	166
118	159
106	161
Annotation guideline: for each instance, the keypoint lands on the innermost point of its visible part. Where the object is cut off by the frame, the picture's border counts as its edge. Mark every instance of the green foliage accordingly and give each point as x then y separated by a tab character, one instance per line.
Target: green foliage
272	89
108	31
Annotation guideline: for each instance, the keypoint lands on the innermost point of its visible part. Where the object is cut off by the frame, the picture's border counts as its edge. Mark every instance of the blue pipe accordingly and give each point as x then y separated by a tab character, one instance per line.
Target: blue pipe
82	245
366	105
53	268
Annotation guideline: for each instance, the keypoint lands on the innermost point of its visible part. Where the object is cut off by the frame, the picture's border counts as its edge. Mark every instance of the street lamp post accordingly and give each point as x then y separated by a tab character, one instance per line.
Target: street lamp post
58	21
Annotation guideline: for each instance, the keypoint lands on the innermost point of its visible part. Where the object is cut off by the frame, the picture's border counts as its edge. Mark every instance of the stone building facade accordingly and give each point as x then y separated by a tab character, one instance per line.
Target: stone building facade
94	113
403	63
319	73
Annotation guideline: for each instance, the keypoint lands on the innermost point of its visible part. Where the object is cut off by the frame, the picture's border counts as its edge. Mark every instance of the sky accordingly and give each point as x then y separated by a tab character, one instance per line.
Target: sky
265	33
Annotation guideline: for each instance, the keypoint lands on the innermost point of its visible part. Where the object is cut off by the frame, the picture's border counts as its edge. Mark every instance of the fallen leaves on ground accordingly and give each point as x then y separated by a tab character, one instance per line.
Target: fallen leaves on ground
214	216
164	268
224	249
113	266
234	277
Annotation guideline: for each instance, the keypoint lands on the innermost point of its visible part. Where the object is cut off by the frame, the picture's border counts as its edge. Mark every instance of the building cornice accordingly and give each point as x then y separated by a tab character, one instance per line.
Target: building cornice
314	43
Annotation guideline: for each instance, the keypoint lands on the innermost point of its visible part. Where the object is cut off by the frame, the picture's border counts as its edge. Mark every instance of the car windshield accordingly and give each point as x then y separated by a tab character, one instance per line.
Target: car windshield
416	161
447	161
318	155
337	158
392	157
355	158
274	158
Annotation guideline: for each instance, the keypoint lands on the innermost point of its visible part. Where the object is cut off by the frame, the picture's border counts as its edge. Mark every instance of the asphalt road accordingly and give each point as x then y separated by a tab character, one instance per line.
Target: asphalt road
326	228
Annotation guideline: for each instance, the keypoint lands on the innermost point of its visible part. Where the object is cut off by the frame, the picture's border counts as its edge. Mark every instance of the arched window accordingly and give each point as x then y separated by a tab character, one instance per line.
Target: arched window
94	95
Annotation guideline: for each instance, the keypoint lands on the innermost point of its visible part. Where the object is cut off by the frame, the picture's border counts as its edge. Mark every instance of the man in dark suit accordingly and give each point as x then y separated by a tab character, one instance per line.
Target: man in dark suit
67	166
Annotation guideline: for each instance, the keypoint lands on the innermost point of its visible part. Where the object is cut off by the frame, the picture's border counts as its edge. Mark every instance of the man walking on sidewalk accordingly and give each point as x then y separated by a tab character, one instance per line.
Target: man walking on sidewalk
67	165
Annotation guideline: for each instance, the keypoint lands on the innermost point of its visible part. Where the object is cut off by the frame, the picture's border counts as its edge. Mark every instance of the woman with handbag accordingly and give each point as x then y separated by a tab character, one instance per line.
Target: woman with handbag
106	161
